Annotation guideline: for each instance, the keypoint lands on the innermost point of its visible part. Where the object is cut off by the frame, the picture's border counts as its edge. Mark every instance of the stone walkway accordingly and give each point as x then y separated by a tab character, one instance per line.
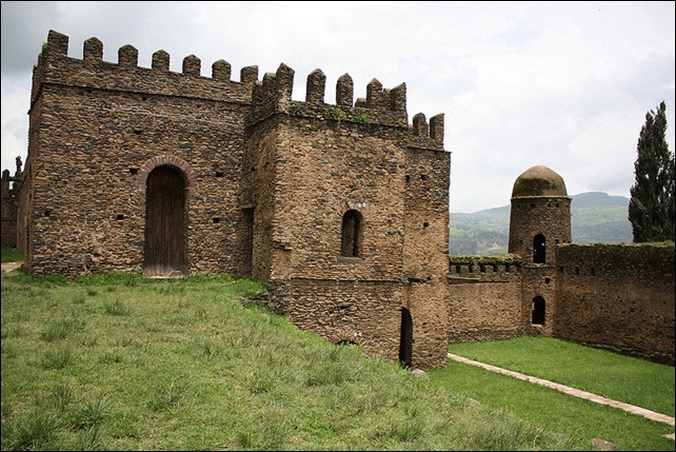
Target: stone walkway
652	415
9	266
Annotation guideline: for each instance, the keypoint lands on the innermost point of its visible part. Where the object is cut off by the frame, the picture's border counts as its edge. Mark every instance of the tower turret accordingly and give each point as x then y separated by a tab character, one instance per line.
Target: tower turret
539	220
540	215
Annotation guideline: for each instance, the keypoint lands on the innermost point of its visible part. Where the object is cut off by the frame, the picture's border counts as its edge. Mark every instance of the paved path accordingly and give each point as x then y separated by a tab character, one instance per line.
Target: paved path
652	415
9	266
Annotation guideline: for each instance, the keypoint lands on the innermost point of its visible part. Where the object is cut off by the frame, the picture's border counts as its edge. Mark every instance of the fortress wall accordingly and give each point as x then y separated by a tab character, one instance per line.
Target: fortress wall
617	296
367	313
100	128
329	159
56	67
26	189
538	280
325	169
335	158
484	299
24	205
426	302
258	197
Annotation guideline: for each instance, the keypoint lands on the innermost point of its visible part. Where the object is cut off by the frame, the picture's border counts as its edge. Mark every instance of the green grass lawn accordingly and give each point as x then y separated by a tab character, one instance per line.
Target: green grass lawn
121	362
630	380
10	254
618	377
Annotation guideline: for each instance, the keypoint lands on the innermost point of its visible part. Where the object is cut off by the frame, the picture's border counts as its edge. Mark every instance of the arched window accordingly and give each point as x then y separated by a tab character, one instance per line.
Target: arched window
351	244
539	249
538	315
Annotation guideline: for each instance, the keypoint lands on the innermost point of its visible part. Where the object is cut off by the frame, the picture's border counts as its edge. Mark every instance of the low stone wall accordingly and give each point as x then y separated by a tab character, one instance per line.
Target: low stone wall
484	298
367	313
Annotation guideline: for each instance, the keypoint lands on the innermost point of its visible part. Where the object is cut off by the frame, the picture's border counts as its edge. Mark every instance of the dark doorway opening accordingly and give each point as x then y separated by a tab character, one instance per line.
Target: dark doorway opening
246	267
538	314
406	339
165	222
351	243
539	249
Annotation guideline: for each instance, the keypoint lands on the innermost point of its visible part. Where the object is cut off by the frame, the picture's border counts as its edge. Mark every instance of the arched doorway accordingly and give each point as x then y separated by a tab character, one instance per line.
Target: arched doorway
538	314
406	339
165	222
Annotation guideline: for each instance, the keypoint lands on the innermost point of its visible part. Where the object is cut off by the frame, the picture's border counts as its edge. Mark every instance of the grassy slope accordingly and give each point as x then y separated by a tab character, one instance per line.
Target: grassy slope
125	363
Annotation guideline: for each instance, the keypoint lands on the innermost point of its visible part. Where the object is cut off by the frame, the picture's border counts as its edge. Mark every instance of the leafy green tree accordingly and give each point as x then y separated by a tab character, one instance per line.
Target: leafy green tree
651	207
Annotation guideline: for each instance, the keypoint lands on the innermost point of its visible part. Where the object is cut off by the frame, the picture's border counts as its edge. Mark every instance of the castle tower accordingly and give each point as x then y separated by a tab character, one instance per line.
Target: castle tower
539	220
349	208
540	215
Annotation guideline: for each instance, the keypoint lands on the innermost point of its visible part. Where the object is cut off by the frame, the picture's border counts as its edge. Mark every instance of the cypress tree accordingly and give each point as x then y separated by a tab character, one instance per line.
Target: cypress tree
651	206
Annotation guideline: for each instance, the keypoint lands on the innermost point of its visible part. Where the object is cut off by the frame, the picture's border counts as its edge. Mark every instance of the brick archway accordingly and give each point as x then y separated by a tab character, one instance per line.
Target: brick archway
168	160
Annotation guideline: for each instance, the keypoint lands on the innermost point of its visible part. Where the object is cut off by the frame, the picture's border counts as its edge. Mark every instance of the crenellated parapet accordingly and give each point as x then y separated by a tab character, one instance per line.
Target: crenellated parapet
272	94
381	106
91	72
476	269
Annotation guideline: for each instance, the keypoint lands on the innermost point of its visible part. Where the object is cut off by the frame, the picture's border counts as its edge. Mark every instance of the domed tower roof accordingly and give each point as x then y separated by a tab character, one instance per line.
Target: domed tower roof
539	181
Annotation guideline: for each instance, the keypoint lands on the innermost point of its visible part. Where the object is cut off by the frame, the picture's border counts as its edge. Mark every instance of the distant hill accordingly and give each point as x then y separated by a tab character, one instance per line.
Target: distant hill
595	218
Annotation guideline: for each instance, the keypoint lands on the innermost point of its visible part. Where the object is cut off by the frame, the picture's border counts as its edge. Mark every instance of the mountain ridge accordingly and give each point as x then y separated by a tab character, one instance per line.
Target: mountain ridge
596	217
580	200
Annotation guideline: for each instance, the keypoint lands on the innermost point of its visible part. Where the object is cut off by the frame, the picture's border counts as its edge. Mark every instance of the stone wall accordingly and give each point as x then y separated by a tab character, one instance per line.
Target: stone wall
258	193
324	169
617	296
8	206
312	163
539	281
426	222
367	313
426	302
484	298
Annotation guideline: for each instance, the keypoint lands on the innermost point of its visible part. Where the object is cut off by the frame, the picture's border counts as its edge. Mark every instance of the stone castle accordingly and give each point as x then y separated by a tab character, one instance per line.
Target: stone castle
342	210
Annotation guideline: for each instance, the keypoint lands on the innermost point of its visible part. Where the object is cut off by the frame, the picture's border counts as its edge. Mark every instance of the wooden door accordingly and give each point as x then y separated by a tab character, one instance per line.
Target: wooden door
165	222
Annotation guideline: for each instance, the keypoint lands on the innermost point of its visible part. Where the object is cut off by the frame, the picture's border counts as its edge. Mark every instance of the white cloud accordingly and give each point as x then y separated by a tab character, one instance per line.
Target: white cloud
564	84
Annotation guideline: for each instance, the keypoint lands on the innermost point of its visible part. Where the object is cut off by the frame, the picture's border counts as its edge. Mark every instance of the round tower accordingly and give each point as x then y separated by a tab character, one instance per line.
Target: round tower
540	215
539	220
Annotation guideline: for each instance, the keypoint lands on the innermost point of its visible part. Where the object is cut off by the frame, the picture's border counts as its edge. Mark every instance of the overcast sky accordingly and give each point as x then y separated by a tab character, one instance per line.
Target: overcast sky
561	84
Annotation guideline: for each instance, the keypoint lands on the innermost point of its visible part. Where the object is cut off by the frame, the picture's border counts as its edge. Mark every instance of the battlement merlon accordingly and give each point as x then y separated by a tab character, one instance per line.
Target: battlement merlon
55	67
427	136
381	106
